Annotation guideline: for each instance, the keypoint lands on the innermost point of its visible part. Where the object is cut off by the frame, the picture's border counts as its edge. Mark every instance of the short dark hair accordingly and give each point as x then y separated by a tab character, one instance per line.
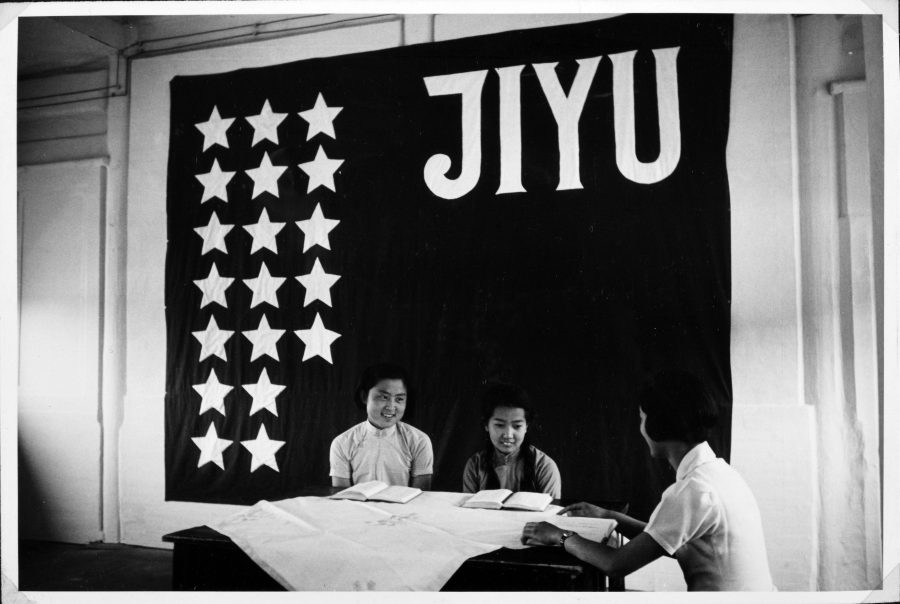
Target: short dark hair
503	394
373	374
678	407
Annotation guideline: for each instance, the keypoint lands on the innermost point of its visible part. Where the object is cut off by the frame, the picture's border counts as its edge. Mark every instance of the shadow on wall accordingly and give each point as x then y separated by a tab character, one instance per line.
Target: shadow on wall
35	519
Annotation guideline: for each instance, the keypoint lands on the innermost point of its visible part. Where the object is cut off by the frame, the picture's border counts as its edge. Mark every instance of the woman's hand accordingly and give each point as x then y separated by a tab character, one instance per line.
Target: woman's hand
584	509
541	533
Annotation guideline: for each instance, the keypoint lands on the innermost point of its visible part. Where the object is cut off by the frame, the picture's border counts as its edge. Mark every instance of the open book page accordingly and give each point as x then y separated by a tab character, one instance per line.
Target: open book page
396	494
491	499
525	500
595	529
361	491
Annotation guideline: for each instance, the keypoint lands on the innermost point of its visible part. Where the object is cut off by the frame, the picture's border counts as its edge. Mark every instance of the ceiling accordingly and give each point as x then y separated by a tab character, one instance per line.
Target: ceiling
67	44
53	45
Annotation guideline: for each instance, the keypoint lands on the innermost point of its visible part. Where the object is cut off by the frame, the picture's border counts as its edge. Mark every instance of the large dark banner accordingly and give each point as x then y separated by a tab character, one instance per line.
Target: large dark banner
549	207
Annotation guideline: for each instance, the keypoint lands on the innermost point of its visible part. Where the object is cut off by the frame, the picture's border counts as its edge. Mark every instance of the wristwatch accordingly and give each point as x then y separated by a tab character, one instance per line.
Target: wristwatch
565	535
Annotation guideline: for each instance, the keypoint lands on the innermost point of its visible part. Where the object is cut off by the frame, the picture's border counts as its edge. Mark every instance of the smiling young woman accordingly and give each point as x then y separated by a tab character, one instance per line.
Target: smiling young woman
382	447
508	460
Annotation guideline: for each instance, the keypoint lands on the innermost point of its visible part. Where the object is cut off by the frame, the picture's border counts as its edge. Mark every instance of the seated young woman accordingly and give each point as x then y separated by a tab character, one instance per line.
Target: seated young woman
708	519
382	447
508	460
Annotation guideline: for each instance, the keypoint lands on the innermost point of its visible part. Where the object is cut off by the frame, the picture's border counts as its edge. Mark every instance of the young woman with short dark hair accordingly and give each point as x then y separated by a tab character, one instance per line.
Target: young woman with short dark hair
382	447
708	519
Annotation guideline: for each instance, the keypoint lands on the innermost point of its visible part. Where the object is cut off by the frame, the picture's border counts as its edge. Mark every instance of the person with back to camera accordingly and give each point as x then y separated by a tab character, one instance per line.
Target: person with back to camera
708	519
382	447
508	460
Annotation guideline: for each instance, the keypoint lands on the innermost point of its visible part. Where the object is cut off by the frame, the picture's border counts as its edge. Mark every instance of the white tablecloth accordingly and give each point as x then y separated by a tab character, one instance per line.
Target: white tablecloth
320	544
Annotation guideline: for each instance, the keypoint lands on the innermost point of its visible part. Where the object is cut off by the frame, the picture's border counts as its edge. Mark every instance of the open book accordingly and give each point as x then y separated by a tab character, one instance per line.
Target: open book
375	490
495	499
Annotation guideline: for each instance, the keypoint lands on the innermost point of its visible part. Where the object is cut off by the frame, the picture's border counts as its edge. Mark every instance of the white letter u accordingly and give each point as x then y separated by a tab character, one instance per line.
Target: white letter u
633	169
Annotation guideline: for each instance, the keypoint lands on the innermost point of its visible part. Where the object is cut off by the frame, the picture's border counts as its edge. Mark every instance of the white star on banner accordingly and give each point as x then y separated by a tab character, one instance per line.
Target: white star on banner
213	287
264	393
214	129
211	447
214	183
264	339
263	233
265	177
212	340
264	287
316	228
214	234
265	124
213	393
263	450
321	170
318	340
320	118
318	284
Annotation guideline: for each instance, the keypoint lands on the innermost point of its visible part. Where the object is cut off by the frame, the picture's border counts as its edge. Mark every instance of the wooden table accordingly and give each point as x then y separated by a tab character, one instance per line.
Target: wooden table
204	559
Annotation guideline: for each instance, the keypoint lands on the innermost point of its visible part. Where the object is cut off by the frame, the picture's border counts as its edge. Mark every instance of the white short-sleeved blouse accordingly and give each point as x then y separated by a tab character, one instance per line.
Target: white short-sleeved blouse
708	519
390	455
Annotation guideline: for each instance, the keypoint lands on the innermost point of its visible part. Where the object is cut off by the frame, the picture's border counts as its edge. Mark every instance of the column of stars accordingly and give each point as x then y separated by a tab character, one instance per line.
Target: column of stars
212	339
264	287
317	283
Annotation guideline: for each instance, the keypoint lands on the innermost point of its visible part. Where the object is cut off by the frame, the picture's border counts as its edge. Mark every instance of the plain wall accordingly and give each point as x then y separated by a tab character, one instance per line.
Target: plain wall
59	435
835	225
773	442
774	438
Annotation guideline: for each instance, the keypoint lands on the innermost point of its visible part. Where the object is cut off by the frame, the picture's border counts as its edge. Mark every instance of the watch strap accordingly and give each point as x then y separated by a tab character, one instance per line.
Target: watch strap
564	536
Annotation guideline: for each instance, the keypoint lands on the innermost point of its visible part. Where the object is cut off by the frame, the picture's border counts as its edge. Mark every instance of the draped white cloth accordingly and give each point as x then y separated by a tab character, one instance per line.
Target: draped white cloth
320	544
